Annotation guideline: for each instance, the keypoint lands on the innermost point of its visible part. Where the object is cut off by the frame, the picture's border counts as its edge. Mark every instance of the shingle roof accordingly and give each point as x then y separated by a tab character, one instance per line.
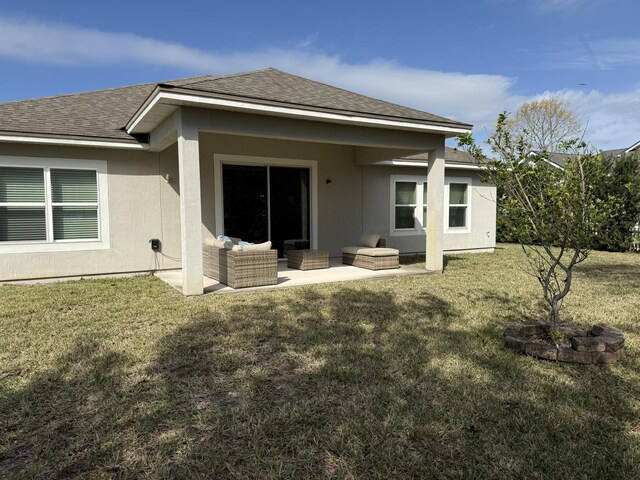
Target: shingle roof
100	113
104	113
451	156
613	153
277	86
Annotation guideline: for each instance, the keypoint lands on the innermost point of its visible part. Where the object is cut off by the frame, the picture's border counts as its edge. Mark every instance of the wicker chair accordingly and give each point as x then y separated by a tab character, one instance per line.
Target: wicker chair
372	258
240	269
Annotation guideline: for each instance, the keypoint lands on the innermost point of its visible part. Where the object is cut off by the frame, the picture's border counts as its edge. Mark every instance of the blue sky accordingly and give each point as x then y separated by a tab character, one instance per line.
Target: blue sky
468	60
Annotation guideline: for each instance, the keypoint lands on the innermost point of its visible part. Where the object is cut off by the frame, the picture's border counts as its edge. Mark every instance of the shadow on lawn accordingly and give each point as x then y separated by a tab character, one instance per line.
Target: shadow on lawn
611	276
352	383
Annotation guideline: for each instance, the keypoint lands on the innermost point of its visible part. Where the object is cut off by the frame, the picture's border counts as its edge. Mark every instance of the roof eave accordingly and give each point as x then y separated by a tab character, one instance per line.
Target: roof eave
72	141
632	147
171	96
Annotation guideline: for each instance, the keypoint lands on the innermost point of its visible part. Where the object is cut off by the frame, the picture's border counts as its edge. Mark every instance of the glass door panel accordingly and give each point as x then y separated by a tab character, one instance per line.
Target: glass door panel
245	202
289	208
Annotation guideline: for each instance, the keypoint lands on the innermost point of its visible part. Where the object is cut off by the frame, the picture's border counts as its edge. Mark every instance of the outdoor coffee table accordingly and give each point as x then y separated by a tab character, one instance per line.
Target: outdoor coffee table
307	259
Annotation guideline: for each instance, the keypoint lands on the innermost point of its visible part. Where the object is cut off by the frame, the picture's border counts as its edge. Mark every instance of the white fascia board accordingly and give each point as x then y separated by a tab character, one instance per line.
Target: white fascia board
288	111
407	163
553	164
632	147
72	142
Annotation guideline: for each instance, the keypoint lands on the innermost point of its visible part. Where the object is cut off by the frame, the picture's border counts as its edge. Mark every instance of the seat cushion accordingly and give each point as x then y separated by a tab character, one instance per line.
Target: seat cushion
258	247
371	252
214	242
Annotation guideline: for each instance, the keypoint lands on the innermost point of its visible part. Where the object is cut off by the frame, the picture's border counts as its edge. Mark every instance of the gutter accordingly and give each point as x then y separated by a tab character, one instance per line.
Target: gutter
72	142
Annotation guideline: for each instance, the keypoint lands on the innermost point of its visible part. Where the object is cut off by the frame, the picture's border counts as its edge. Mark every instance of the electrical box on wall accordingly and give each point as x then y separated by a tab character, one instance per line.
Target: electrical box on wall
155	244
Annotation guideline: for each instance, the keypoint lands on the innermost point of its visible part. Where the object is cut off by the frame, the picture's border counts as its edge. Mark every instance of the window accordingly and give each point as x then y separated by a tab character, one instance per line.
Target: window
53	203
22	205
409	210
458	208
409	204
74	201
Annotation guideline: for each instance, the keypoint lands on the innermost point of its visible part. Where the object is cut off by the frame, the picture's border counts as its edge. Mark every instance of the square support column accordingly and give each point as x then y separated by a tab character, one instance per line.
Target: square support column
435	210
190	208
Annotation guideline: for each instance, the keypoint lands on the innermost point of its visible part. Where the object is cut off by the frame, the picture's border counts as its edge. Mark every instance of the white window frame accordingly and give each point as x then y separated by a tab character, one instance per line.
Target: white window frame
51	245
421	202
447	182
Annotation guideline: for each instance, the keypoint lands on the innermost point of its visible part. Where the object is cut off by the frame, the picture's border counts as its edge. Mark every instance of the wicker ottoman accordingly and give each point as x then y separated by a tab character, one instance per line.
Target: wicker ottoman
307	259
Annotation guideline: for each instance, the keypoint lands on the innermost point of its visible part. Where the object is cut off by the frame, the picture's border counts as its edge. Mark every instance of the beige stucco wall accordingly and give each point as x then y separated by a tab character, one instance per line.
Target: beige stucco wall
377	210
357	200
339	204
135	193
144	205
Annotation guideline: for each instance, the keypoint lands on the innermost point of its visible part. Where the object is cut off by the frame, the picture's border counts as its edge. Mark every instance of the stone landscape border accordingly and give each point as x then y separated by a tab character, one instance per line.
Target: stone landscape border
602	344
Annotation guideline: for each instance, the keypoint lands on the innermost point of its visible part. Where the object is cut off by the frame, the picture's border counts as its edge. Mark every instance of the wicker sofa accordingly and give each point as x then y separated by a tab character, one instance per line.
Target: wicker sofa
371	253
240	268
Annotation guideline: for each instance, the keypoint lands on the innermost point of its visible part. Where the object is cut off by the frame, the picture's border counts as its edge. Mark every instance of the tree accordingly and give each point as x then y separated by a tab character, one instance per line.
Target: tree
555	214
546	123
622	181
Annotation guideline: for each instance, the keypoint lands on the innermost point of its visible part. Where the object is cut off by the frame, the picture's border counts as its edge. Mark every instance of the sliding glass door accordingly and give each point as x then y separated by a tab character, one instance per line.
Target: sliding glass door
265	202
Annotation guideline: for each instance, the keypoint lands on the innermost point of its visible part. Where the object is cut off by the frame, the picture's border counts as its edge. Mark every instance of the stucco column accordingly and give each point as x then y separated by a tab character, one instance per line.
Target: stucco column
435	210
190	207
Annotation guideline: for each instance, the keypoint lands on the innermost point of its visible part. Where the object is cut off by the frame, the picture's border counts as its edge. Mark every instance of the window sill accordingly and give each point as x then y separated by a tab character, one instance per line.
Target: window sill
407	233
64	246
457	230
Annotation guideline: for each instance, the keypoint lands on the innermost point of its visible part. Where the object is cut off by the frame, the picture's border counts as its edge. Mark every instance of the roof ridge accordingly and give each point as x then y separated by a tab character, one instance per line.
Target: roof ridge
99	90
213	78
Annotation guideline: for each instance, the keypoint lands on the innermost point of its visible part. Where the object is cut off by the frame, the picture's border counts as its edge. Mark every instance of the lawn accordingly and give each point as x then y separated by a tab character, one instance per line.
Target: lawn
394	378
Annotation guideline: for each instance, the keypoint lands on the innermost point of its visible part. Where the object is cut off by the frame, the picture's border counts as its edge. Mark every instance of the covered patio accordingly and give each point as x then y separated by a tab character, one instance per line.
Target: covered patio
289	277
197	133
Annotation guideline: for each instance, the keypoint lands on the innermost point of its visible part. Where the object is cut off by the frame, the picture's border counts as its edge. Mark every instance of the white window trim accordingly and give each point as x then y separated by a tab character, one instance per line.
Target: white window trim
50	245
448	181
220	159
421	202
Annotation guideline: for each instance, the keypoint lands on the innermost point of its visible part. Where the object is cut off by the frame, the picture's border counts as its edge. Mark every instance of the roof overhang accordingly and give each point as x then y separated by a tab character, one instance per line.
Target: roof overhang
69	141
163	102
632	147
412	163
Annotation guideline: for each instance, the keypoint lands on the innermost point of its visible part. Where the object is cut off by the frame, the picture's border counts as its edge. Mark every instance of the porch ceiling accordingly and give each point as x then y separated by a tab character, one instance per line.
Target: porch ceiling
371	144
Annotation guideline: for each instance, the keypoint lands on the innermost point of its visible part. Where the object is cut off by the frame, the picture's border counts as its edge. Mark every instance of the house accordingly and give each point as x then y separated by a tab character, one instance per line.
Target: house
88	180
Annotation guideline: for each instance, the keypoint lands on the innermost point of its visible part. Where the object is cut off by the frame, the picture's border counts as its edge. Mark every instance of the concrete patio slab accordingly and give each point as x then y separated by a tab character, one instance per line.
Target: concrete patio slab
288	277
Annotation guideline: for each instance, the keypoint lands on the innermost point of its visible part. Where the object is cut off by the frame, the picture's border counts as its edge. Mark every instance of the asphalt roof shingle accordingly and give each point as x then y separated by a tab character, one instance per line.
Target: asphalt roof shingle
451	156
274	85
104	113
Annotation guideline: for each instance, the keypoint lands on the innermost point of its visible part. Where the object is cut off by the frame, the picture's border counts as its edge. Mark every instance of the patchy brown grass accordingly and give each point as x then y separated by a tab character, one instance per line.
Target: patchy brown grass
397	378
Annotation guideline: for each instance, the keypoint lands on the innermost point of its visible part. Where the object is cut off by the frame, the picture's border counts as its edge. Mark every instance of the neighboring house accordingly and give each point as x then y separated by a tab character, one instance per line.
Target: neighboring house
558	159
621	151
87	180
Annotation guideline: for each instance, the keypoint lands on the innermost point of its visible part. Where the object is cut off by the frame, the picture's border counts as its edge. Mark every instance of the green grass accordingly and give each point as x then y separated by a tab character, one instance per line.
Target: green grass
394	378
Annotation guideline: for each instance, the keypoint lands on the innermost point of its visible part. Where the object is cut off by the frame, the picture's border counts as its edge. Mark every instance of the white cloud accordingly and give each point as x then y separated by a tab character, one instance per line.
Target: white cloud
309	41
600	54
614	119
471	98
